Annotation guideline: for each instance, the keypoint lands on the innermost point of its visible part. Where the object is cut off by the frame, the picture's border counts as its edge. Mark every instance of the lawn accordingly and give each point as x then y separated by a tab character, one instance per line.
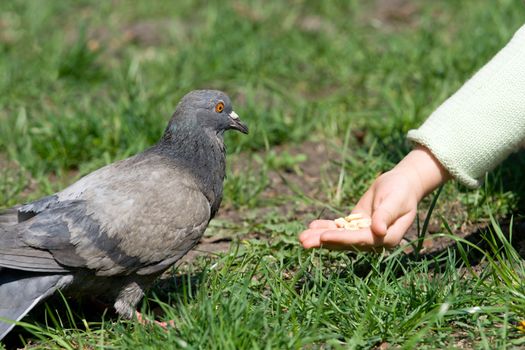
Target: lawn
329	90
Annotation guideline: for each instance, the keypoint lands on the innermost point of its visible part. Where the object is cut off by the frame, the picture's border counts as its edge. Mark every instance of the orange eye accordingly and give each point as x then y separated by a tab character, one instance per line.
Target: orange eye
219	107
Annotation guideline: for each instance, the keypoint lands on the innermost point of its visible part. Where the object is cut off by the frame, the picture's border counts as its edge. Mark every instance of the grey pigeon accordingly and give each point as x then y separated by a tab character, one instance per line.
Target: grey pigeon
114	231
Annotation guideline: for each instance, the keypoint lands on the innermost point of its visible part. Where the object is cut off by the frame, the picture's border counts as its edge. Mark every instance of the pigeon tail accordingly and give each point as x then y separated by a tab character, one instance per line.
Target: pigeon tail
20	291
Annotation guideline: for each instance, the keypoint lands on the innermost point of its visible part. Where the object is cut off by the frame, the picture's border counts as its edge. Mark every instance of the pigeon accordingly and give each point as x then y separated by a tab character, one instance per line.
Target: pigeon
111	233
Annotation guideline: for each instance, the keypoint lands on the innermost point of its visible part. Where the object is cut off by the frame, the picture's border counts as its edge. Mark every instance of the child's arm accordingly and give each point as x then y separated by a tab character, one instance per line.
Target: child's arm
484	121
468	135
391	202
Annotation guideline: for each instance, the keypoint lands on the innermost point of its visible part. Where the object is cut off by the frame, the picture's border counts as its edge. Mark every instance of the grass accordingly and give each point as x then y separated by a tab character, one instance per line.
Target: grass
86	83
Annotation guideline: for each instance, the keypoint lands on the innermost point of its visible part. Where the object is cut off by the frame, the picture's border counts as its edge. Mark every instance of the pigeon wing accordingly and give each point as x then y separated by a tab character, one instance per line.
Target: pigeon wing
36	243
69	235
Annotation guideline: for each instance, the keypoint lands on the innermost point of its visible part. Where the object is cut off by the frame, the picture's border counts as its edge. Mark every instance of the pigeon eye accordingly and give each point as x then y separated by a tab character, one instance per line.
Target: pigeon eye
219	107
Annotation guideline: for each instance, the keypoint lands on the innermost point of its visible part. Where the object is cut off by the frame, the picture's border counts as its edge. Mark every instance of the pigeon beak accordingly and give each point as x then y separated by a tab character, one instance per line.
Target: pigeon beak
237	124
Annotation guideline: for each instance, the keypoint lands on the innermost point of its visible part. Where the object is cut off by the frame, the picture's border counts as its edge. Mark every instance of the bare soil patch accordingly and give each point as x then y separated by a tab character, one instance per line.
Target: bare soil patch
281	184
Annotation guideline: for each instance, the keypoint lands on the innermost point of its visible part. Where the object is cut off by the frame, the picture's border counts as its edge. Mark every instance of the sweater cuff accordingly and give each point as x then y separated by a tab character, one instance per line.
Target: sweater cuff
442	155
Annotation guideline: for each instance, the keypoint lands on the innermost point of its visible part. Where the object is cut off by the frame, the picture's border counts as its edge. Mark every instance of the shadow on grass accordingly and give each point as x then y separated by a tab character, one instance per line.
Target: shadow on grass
480	238
69	313
512	171
507	178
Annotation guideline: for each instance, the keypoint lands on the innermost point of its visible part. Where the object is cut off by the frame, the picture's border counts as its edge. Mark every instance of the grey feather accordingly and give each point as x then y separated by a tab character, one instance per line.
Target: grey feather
119	227
27	211
21	291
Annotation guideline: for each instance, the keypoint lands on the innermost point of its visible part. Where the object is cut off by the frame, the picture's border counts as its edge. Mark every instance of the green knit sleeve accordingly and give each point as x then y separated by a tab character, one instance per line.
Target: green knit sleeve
484	121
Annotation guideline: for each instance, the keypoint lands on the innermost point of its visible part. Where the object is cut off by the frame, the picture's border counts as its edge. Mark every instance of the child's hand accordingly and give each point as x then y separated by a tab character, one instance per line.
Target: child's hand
391	202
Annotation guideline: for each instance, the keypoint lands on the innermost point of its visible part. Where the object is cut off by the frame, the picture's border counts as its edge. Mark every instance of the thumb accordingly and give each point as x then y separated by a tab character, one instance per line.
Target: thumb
385	214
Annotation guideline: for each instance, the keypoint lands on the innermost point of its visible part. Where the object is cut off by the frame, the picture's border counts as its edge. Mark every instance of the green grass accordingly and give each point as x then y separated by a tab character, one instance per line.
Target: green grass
85	83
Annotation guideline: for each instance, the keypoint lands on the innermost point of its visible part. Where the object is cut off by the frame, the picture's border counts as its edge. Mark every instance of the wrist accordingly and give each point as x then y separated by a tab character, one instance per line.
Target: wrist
424	170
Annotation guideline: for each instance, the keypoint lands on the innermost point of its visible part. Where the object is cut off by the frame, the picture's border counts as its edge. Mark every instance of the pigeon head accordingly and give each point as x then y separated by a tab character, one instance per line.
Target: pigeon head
210	110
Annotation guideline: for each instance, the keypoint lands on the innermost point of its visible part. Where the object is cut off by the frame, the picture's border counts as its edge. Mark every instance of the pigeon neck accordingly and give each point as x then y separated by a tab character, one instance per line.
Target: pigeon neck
203	154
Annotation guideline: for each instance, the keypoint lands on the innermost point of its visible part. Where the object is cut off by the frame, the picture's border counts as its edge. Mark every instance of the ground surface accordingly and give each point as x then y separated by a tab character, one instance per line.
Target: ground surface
329	89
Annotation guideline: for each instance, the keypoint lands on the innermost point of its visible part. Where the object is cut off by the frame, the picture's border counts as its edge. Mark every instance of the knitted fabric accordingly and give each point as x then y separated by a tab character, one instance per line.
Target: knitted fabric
484	121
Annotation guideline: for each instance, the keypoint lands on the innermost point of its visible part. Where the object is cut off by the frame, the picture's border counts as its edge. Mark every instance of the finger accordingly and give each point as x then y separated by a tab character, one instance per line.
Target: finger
312	241
310	238
356	240
386	213
310	232
364	205
397	230
326	224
